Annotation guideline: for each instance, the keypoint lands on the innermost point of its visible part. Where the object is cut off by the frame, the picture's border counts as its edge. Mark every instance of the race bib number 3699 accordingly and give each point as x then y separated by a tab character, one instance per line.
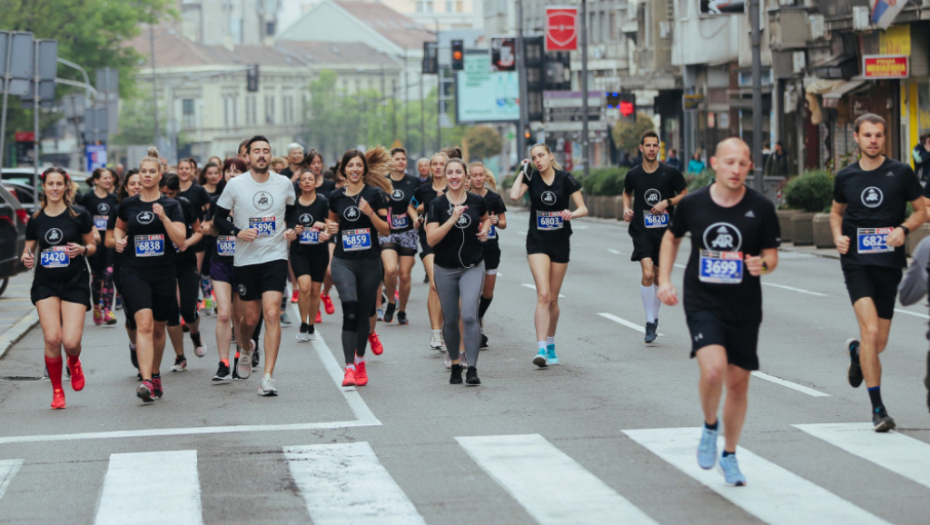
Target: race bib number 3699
264	226
873	240
548	220
721	267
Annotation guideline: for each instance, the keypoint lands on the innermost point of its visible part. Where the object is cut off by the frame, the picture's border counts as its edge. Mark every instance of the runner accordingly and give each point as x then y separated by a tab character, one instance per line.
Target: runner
210	178
734	240
547	240
99	203
869	203
459	265
338	181
434	187
262	205
481	178
423	170
144	225
295	160
354	211
63	237
399	249
130	186
913	288
200	200
187	276
310	252
650	193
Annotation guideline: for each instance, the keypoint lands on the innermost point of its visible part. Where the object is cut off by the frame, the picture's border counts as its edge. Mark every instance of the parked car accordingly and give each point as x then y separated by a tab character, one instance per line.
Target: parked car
13	218
20	182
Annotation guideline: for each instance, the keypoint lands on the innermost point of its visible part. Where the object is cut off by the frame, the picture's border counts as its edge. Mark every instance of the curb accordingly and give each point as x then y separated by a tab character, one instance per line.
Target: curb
17	331
792	249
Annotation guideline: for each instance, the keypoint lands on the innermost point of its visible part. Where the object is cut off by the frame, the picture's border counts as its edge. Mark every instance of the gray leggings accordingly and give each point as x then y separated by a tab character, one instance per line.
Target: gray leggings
357	281
453	285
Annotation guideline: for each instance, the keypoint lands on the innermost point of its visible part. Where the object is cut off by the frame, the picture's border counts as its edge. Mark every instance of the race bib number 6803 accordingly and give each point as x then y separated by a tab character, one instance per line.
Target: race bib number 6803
548	220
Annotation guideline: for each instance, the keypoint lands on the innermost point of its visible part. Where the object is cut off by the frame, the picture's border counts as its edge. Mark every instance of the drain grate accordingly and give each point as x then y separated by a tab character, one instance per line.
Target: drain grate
21	378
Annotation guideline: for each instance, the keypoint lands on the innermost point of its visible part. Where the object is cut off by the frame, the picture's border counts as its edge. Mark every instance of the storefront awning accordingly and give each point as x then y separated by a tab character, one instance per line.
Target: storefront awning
842	89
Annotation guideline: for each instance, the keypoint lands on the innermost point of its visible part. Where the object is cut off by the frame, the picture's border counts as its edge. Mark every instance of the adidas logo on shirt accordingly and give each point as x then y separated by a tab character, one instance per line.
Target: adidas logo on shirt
750	214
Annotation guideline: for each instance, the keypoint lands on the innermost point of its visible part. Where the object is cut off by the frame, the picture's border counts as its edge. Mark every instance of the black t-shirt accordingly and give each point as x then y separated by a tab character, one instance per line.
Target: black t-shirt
460	248
198	197
716	279
224	249
400	199
190	216
495	204
308	242
425	194
99	208
286	172
148	247
649	189
53	264
325	189
357	237
546	204
875	200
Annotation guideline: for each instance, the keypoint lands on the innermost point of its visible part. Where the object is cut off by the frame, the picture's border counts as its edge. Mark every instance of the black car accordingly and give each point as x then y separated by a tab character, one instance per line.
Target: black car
13	218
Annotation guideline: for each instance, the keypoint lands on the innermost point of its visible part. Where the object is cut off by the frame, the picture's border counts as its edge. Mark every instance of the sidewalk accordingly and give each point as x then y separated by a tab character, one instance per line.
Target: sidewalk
17	313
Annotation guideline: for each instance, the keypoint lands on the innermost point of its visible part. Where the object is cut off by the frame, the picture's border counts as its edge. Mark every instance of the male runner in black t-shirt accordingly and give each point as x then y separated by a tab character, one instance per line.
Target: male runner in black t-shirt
869	204
650	192
734	240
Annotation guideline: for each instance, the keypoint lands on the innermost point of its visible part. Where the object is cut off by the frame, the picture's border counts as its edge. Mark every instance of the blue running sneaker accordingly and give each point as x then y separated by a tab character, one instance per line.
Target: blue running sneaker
541	360
550	354
707	450
730	469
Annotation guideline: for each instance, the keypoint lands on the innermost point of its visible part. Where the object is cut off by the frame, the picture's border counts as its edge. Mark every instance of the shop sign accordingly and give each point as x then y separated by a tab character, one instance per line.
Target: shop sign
860	106
884	66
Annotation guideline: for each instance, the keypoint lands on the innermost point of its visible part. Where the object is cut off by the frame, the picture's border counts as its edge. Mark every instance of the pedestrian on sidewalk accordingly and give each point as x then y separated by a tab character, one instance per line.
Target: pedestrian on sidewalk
921	155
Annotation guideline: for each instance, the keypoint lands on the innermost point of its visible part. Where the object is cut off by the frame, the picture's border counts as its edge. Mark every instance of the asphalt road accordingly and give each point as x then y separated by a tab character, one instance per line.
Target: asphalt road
609	436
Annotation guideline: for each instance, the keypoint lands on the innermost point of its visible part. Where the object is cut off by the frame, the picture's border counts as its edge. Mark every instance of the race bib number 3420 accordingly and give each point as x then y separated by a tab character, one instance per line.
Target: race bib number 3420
356	240
264	226
55	257
873	240
721	267
548	220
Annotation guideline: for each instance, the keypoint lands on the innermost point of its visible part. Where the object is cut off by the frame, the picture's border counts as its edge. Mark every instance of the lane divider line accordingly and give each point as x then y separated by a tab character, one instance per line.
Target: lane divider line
788	384
793	289
629	324
533	287
915	314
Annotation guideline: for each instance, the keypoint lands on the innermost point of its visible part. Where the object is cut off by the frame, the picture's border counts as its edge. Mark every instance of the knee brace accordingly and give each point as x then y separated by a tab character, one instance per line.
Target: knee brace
350	316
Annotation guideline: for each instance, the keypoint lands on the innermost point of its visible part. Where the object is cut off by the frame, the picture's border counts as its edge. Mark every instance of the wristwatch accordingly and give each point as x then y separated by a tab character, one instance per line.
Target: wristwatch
669	202
905	228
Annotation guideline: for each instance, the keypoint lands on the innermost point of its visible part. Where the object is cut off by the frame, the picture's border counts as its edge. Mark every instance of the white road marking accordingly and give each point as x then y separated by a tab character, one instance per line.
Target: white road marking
788	384
793	289
151	487
533	287
615	252
894	451
8	469
629	324
772	494
682	266
346	484
915	314
524	465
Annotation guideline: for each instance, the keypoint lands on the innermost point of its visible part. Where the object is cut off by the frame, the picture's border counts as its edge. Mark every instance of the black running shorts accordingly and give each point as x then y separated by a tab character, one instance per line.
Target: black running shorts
740	341
75	290
149	290
879	283
253	280
313	264
558	252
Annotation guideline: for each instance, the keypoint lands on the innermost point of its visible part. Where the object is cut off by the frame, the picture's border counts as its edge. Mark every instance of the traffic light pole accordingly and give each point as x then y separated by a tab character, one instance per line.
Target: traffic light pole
522	124
585	141
754	14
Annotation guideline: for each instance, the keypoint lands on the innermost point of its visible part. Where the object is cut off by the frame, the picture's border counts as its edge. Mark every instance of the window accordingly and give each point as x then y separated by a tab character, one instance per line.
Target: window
421	6
458	6
188	118
448	6
429	6
251	110
287	107
230	111
269	109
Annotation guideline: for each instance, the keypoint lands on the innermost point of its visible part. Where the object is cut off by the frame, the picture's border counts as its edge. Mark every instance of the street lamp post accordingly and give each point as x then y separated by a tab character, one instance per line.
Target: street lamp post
585	140
754	14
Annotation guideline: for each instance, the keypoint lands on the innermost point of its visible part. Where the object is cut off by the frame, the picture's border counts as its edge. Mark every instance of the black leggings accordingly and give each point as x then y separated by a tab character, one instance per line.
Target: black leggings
188	285
357	281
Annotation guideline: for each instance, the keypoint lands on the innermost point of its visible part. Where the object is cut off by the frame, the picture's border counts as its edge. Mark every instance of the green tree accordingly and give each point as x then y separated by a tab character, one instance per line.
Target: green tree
628	135
483	142
136	123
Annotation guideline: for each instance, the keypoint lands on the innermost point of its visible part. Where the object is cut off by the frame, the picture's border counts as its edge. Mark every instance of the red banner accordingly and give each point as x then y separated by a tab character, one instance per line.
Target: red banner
561	29
884	66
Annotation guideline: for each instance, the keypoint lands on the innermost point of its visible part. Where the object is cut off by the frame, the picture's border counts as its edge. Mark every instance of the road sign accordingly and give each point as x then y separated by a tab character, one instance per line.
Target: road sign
561	29
503	54
96	156
21	64
46	52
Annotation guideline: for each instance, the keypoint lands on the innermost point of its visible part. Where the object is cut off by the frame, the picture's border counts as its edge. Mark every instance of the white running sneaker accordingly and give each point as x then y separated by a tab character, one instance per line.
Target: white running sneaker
447	363
244	367
435	341
312	337
303	337
268	387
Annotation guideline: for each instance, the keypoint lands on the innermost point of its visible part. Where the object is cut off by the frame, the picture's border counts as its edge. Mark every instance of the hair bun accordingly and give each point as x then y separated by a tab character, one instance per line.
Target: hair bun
153	152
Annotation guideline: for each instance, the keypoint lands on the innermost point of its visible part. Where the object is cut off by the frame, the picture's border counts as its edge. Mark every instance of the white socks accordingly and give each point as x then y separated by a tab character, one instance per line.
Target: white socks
541	345
648	293
656	303
359	360
550	340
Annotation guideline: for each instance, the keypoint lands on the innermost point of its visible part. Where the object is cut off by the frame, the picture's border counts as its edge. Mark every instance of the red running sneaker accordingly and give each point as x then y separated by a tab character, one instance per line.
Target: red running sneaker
144	392
376	347
361	374
58	399
77	375
319	317
328	304
294	296
349	379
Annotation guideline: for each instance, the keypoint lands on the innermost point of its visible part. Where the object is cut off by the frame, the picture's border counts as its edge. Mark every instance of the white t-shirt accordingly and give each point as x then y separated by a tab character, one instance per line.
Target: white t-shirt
259	205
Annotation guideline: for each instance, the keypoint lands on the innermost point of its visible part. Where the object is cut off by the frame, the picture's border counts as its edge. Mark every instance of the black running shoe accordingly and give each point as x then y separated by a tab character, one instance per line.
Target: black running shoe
389	312
256	358
222	373
402	317
456	377
235	369
134	358
471	376
651	333
854	373
881	421
484	342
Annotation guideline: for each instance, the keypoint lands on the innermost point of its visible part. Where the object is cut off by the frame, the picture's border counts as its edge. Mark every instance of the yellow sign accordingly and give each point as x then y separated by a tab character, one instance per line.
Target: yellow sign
895	41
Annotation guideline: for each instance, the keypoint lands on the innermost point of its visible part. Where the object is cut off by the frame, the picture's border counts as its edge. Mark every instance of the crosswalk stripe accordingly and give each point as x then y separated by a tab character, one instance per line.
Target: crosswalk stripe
894	451
151	488
526	464
346	484
773	494
8	469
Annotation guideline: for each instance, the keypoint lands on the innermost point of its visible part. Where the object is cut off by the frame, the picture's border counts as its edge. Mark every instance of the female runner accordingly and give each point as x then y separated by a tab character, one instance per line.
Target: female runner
310	252
211	176
480	179
399	249
200	200
99	203
434	187
130	186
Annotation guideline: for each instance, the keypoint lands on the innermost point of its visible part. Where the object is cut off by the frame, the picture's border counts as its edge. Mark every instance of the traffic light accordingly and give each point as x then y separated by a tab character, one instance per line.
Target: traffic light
251	79
458	55
613	100
627	106
528	136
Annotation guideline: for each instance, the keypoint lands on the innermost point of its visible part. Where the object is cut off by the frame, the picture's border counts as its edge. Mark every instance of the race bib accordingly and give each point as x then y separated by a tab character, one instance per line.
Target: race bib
399	222
548	220
721	267
149	245
356	240
100	222
226	246
55	257
659	220
310	237
492	232
873	240
265	226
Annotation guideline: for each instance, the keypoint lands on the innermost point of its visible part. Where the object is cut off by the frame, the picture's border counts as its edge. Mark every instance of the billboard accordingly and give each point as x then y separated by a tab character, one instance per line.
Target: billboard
503	54
482	95
561	29
884	66
722	7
